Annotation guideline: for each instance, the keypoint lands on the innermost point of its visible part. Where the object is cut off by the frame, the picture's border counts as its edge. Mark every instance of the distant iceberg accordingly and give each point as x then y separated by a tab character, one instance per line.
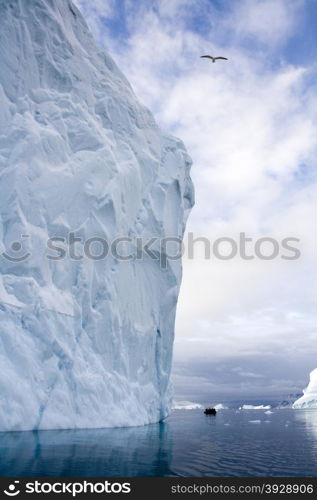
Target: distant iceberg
289	400
309	399
186	405
252	407
220	406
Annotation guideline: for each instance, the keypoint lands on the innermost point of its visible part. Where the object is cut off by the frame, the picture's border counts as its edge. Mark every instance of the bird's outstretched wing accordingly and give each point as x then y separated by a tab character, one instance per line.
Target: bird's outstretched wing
225	58
209	57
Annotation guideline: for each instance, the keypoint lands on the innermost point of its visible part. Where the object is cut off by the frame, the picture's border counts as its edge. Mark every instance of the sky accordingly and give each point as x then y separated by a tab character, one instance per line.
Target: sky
246	329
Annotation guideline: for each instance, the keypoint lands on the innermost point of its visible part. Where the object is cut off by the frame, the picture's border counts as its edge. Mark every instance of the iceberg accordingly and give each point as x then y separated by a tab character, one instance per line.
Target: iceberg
186	405
252	407
86	334
288	401
220	406
309	399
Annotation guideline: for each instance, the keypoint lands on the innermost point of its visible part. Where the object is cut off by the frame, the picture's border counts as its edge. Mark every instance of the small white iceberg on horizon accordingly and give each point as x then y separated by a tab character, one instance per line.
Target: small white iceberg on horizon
220	406
309	398
252	407
186	405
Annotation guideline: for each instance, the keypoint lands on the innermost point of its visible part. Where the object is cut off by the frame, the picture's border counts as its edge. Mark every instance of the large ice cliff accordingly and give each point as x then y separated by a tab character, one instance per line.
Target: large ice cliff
84	341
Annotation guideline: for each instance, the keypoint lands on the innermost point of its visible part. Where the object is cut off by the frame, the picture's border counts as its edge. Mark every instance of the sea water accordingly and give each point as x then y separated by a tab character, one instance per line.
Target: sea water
188	443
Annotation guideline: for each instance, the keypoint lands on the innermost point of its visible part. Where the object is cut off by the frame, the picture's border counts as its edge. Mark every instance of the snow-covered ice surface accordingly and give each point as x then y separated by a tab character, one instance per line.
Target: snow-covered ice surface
83	343
309	399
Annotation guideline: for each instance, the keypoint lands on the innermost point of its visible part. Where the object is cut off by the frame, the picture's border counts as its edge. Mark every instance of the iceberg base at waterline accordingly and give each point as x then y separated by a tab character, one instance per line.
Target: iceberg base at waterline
309	399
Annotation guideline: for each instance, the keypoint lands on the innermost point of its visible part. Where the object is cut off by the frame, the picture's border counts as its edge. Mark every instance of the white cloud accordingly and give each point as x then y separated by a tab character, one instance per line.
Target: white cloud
268	21
250	126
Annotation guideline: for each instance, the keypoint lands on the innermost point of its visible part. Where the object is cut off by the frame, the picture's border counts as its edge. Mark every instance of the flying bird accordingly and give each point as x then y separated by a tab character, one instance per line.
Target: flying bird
214	59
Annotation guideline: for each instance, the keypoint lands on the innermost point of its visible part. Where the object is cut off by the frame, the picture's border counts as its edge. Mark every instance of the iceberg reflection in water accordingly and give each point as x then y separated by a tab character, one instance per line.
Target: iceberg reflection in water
309	419
134	451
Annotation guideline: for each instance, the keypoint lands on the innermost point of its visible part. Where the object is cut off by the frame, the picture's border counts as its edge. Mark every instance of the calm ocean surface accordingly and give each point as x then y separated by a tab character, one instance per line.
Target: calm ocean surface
188	443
